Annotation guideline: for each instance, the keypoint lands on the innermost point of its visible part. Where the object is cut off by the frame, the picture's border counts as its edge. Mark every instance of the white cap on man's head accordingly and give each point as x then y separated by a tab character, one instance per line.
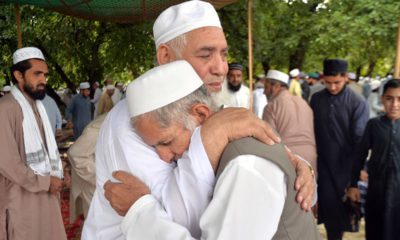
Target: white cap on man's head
84	85
295	72
161	86
6	88
278	76
110	87
26	53
182	18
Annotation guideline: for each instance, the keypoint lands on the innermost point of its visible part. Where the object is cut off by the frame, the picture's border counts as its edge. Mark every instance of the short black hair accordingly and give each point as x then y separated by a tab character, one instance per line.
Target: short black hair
393	83
22	67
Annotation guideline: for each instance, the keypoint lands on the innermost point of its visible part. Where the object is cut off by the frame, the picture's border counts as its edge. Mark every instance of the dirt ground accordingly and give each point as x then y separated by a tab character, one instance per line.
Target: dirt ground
347	236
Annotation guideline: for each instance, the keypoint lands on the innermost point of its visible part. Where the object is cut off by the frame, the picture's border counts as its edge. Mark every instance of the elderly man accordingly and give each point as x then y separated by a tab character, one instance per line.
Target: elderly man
239	94
265	210
105	102
79	110
96	96
191	31
340	116
290	116
294	85
83	169
30	166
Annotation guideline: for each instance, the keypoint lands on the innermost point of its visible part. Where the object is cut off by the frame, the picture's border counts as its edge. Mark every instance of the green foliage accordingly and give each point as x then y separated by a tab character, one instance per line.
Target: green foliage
295	33
286	34
84	50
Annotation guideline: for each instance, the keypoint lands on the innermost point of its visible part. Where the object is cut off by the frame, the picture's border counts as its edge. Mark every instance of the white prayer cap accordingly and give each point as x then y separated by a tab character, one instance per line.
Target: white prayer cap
120	84
161	86
375	84
278	76
295	72
182	18
27	53
351	76
110	87
6	88
84	85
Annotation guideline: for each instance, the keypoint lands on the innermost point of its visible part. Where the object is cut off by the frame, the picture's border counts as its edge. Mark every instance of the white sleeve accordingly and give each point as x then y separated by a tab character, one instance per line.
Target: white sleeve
188	191
247	204
147	220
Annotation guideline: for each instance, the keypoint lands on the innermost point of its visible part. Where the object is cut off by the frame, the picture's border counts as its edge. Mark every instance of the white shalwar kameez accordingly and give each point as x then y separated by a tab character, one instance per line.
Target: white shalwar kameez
247	204
184	189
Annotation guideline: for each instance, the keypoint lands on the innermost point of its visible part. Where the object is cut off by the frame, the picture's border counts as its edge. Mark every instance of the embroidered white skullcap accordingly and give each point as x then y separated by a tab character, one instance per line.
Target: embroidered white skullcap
278	76
161	86
294	73
27	53
6	88
182	18
84	85
110	87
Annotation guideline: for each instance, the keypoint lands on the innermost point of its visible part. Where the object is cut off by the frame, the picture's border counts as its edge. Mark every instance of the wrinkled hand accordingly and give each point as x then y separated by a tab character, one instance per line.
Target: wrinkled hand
354	194
69	125
230	124
305	182
124	194
56	185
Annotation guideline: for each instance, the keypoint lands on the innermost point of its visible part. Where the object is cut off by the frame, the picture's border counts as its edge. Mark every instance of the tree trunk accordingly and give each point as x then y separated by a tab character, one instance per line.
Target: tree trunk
371	67
296	59
358	73
266	66
57	67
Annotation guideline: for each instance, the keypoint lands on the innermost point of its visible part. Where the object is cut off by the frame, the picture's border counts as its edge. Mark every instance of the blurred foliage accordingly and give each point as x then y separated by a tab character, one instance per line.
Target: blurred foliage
286	34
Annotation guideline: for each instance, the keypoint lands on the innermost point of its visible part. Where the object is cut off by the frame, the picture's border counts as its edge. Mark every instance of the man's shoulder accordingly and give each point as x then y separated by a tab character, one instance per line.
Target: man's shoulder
8	102
9	107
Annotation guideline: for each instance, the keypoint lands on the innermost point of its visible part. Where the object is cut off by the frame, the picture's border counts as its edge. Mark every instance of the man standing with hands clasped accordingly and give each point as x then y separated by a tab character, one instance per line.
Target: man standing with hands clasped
30	166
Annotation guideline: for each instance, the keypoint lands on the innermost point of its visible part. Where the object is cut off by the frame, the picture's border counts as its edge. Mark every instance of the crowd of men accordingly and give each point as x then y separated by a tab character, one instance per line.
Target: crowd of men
189	159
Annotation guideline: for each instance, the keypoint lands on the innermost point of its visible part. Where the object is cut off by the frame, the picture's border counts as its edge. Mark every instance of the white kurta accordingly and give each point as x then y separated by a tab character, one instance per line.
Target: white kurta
240	98
247	204
95	100
259	102
184	193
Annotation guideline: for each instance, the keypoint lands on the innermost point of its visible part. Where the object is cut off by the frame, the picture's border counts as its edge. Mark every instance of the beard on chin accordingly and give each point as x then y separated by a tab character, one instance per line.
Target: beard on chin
234	88
39	94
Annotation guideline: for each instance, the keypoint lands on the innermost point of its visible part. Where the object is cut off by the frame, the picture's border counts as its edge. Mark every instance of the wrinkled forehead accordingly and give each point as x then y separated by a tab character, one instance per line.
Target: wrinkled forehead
211	37
150	130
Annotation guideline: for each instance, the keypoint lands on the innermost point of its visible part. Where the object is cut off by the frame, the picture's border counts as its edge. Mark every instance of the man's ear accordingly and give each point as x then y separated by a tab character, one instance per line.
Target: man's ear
18	76
165	54
200	112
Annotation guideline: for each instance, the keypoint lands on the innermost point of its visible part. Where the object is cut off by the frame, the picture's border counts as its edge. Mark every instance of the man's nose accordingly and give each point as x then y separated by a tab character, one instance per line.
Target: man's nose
219	66
165	154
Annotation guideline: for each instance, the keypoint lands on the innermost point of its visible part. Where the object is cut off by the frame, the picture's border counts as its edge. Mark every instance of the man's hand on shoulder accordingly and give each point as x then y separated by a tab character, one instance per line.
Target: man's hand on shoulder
124	194
305	182
230	124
